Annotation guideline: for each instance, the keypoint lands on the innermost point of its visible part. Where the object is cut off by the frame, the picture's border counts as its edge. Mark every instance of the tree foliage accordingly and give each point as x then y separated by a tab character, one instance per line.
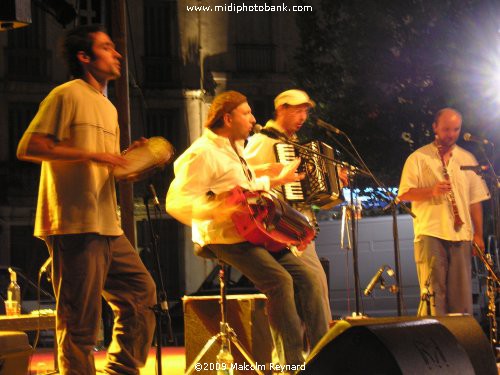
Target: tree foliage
380	70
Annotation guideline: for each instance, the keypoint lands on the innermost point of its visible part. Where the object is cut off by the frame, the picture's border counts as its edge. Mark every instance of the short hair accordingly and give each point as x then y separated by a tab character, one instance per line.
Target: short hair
439	113
76	40
222	104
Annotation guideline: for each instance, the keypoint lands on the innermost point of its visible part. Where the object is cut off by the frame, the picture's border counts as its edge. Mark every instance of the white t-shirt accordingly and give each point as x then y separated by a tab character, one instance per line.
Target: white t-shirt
77	197
434	217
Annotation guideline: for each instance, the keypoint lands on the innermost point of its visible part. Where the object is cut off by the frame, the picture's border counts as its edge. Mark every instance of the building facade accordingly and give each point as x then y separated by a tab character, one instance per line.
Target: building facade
179	58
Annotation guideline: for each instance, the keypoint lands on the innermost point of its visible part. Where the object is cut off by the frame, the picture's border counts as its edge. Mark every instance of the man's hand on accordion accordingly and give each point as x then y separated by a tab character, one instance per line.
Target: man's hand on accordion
288	174
223	205
268	169
343	176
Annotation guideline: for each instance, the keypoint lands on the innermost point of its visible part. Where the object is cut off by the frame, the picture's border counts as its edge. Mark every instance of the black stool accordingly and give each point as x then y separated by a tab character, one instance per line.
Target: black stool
226	334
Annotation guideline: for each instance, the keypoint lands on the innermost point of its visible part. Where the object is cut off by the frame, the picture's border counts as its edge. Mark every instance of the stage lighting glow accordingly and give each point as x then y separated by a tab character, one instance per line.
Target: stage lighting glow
491	78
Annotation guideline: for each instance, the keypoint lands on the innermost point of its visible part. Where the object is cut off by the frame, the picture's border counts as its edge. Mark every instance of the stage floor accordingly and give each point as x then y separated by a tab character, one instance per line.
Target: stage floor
173	361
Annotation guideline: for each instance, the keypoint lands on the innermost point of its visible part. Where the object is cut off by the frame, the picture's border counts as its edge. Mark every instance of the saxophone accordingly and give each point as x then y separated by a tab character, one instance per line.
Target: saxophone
457	224
492	282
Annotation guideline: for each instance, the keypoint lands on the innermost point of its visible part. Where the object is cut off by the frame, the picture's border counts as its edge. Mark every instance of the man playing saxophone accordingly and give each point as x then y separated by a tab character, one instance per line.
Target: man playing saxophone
449	217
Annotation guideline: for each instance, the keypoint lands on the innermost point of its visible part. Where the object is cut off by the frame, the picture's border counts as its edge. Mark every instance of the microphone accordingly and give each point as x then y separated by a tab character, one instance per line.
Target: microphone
257	128
468	137
46	265
474	168
152	190
374	281
270	132
327	126
390	272
393	288
44	269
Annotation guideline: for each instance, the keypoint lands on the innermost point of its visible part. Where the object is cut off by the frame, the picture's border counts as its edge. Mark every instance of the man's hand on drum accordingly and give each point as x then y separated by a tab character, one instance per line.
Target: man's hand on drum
288	174
112	160
137	143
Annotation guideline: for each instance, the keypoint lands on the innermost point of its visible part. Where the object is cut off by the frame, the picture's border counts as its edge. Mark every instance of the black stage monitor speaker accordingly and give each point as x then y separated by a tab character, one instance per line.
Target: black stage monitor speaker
14	14
444	345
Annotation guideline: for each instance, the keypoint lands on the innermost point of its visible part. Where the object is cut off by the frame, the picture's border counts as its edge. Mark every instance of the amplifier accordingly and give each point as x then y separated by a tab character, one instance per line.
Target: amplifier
14	353
246	315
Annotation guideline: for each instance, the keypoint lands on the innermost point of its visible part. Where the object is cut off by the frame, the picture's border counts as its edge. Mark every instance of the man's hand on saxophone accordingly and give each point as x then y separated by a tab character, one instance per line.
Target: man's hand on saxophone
442	187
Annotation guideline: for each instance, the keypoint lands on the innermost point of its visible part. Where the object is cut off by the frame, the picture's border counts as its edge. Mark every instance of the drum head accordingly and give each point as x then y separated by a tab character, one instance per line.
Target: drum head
145	160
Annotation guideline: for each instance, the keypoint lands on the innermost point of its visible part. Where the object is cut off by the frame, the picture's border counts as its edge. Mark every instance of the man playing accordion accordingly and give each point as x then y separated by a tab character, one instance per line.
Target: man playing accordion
292	109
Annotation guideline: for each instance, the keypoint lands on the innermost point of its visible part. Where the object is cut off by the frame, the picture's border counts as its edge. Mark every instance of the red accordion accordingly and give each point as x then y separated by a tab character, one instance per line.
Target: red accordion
269	222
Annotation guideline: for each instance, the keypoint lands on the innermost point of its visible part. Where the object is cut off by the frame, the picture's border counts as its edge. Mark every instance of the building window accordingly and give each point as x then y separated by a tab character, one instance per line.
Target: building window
262	107
254	46
163	122
27	56
21	178
161	55
20	115
91	12
255	58
167	124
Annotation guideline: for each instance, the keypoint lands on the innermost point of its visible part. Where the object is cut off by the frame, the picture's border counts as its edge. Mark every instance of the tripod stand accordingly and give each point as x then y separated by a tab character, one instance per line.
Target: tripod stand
226	336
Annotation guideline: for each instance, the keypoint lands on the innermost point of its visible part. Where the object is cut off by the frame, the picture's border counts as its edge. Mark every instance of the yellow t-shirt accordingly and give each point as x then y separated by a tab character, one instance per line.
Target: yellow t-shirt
77	197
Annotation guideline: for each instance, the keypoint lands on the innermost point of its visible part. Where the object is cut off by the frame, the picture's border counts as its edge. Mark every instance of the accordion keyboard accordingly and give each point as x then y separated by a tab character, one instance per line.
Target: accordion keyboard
321	185
292	191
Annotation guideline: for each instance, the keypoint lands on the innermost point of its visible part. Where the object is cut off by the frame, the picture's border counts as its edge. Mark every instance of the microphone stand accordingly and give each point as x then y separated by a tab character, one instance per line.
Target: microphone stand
161	307
307	150
494	184
395	235
393	205
352	211
425	298
354	230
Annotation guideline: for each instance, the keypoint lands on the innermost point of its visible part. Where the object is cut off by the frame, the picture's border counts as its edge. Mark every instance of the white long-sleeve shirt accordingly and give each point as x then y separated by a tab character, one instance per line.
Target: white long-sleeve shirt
209	165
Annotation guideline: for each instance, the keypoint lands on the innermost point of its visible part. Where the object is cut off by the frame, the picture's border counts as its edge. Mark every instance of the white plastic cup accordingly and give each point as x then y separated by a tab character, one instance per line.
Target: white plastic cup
12	308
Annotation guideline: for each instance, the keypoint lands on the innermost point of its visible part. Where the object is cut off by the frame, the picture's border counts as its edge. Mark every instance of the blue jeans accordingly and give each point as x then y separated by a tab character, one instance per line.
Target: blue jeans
293	292
84	267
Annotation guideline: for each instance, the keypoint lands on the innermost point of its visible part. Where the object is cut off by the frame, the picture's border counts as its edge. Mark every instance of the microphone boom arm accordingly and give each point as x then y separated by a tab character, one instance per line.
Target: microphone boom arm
332	160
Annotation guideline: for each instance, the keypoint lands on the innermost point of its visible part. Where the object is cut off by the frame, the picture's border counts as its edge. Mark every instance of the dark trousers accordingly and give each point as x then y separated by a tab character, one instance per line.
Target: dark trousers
293	292
84	267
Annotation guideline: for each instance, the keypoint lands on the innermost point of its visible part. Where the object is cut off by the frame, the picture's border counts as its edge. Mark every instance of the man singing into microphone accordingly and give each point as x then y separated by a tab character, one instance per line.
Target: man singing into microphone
291	111
447	203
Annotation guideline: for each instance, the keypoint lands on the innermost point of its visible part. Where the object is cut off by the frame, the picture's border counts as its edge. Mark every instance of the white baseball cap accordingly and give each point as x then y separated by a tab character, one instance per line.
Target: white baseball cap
293	97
